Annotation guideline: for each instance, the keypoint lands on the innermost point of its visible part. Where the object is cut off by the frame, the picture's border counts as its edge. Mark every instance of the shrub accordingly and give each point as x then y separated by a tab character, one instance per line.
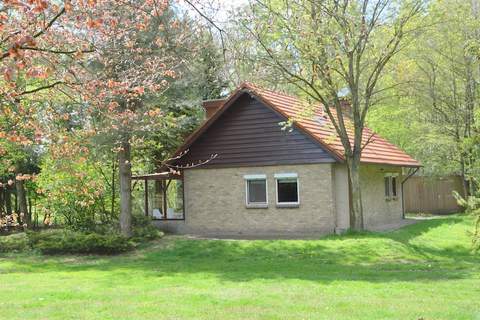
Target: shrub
75	192
14	242
73	242
472	207
143	229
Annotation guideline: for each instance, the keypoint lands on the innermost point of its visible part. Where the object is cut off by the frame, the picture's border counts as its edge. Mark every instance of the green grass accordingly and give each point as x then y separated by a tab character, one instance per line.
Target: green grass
423	271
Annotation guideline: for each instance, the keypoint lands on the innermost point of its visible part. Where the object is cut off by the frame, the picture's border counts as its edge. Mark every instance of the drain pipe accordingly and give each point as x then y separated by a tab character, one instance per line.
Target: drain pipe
403	182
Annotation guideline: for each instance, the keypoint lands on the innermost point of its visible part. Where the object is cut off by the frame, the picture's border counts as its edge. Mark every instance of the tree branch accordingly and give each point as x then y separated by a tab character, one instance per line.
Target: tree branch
49	86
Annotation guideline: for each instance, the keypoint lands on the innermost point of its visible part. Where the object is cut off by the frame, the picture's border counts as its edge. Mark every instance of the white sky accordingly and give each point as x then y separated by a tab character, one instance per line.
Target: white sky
227	5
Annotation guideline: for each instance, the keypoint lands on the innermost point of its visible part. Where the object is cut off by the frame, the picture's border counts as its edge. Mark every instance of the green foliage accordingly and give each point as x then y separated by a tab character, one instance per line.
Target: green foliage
429	108
75	192
399	122
14	242
73	242
104	240
472	207
143	229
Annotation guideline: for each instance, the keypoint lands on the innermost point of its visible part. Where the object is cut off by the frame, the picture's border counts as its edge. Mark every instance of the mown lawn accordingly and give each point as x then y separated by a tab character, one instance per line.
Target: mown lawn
424	271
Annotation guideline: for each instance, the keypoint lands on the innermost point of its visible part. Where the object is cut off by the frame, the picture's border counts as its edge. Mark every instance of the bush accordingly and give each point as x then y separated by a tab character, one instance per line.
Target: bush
74	192
143	229
14	242
471	204
106	240
72	242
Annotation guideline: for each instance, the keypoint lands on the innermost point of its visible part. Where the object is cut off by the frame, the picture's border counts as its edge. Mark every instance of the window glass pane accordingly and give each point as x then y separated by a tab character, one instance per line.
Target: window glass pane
394	186
257	191
287	190
387	186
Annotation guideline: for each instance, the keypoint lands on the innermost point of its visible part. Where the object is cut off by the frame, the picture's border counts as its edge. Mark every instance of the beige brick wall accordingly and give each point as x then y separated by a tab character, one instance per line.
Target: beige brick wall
215	202
342	204
379	213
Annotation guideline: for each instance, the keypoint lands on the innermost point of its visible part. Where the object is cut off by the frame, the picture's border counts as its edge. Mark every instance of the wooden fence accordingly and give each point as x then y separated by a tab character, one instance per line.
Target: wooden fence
432	195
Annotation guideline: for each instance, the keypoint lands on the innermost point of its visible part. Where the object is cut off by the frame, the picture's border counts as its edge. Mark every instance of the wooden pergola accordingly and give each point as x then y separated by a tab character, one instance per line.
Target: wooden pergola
164	179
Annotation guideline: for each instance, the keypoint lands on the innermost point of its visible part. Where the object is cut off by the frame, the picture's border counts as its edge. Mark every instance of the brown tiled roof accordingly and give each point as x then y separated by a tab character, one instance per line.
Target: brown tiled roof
318	125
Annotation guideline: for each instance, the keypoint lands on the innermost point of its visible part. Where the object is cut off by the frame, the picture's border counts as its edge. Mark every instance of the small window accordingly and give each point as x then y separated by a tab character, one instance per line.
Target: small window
394	186
390	185
256	191
287	190
387	186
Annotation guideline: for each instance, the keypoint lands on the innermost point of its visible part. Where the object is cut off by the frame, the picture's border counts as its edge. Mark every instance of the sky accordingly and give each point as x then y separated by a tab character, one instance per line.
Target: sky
232	3
226	5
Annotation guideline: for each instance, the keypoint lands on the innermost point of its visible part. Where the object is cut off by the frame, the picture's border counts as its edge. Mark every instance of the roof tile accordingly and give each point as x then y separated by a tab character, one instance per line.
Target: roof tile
377	150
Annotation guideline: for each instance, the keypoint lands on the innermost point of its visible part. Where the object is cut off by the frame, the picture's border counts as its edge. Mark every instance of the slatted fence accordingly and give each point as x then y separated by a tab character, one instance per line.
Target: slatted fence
432	194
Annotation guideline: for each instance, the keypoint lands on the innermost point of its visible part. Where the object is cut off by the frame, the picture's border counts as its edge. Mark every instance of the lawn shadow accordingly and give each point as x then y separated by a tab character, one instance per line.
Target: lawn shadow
372	257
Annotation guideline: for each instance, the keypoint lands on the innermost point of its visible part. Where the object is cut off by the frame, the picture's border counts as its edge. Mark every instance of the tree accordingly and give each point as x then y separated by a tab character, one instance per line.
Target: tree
443	81
114	62
325	46
132	70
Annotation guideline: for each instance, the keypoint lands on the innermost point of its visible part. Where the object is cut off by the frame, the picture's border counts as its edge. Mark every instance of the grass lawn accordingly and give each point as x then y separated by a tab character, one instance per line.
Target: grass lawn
423	271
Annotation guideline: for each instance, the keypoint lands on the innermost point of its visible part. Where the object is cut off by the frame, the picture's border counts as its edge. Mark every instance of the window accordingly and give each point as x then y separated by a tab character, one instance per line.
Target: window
256	191
390	183
394	186
287	190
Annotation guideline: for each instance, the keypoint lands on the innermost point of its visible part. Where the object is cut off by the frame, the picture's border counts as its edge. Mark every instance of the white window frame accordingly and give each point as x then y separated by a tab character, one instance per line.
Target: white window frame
255	205
287	176
390	177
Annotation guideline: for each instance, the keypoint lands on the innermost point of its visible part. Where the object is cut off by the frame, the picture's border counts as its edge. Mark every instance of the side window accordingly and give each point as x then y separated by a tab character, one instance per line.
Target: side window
287	190
256	191
390	185
386	181
394	186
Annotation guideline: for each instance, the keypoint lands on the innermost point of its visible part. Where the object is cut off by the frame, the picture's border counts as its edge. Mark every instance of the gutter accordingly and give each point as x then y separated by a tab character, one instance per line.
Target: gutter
402	183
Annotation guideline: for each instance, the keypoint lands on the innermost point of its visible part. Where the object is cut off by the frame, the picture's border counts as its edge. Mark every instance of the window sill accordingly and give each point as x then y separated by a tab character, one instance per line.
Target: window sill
257	206
288	205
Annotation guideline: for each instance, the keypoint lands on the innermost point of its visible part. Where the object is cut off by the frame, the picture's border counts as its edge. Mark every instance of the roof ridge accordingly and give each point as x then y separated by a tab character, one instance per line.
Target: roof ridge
255	86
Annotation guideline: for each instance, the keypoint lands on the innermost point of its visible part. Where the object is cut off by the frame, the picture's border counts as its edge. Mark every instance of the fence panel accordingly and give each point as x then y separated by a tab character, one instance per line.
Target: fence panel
432	195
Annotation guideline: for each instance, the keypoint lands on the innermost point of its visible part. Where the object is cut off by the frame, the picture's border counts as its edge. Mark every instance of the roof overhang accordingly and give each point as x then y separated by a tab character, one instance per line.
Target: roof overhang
246	88
157	176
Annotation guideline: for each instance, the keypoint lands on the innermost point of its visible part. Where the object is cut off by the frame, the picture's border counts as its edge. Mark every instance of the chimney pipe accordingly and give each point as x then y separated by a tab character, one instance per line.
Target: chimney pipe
212	106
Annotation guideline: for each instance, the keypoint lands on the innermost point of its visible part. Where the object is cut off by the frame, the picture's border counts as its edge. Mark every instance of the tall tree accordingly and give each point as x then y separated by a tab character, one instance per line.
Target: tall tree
131	77
322	47
113	60
448	77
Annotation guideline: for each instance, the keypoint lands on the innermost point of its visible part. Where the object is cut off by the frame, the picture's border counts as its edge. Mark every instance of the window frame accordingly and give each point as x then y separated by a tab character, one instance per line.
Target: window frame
391	178
287	176
255	205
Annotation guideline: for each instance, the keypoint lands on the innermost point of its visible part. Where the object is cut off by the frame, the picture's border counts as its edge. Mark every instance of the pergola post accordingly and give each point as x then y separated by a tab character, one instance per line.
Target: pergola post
164	179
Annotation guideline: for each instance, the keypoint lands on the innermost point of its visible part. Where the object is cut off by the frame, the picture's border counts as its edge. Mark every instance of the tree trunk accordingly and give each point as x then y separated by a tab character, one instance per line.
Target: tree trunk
22	202
2	201
114	169
125	180
8	200
356	207
465	183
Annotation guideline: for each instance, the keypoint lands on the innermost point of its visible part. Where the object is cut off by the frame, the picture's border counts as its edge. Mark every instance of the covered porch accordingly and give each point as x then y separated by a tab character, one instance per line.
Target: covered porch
163	195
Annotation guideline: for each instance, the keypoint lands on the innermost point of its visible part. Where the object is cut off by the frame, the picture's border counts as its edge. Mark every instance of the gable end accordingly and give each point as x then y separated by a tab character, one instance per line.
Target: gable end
248	134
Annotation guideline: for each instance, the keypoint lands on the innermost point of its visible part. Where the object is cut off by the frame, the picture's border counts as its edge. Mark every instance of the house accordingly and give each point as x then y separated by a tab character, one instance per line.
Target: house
271	179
